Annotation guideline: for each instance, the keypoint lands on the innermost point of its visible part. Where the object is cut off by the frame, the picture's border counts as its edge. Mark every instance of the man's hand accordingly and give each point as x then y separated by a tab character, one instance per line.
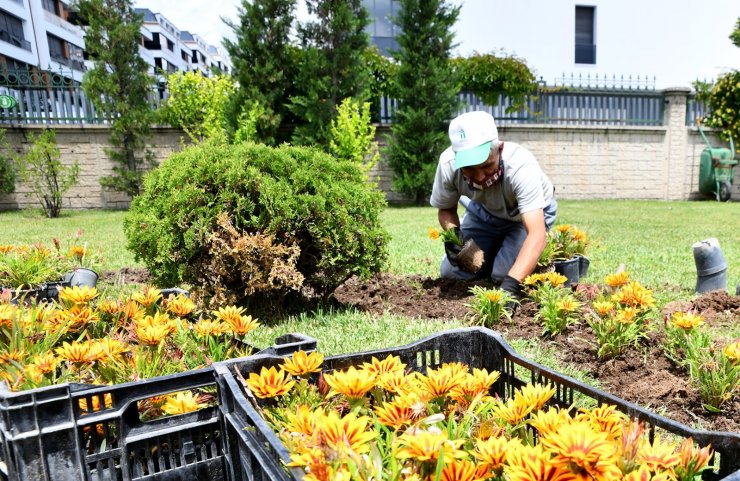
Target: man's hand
515	289
452	249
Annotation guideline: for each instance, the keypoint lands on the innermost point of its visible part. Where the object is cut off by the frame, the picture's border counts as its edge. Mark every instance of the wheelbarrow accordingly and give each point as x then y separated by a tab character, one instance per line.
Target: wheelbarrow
716	168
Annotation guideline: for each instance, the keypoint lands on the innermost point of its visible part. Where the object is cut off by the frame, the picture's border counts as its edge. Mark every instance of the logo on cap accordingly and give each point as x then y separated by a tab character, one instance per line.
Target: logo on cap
462	135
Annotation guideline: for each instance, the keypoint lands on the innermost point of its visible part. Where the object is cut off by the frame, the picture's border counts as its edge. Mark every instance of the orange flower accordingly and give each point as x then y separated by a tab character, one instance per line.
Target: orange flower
269	383
546	422
604	418
180	306
526	463
459	470
77	252
535	395
603	308
237	322
393	382
78	294
433	233
181	403
394	414
45	363
107	401
208	327
583	450
686	320
635	295
439	382
78	316
302	363
353	383
345	434
148	296
693	460
426	446
76	352
658	455
492	453
617	280
389	364
152	334
302	421
113	347
512	411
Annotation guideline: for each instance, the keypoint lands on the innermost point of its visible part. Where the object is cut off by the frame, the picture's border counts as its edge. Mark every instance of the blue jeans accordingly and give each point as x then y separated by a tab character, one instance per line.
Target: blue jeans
500	239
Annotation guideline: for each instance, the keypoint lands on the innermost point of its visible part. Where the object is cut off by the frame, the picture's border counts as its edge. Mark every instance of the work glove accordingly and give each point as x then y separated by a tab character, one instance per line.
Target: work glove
452	250
515	289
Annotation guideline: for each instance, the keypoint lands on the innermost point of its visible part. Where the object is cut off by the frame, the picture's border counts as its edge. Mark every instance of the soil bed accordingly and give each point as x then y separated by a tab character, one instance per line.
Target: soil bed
644	377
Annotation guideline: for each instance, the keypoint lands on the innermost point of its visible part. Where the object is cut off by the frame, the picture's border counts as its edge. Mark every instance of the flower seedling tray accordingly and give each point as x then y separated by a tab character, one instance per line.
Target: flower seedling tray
255	452
46	434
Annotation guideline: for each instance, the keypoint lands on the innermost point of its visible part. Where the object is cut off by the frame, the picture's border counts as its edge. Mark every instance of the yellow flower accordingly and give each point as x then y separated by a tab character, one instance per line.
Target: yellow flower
459	470
617	280
471	385
353	383
113	347
546	422
8	312
426	446
568	304
95	404
237	322
152	334
78	316
604	418
433	233
303	421
302	363
45	363
555	278
686	320
512	411
640	474
693	460
635	295
131	311
393	382
494	295
148	296
534	395
603	308
109	307
394	414
563	228
5	248
180	306
181	403
345	434
584	451
77	252
732	351
658	455
207	327
492	453
526	463
78	294
227	313
389	364
76	352
269	383
626	315
533	279
439	382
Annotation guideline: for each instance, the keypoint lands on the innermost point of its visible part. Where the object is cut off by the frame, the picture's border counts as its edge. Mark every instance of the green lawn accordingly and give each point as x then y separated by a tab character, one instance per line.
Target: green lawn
652	239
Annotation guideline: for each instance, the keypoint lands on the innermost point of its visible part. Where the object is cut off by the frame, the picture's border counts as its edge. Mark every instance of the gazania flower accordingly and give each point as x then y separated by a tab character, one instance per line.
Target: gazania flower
431	232
686	320
131	311
535	395
603	308
394	414
512	411
635	295
76	352
604	418
269	383
5	248
568	304
415	402
152	334
492	453
228	313
459	470
393	382
617	280
546	422
181	403
563	228
533	279
77	252
237	322
209	327
425	446
303	421
389	364
113	347
494	295
148	296
158	319
693	460
7	314
555	278
659	455
626	315
732	351
78	316
345	434
640	474
302	363
78	294
45	363
526	463
95	404
583	450
439	382
109	307
180	306
353	383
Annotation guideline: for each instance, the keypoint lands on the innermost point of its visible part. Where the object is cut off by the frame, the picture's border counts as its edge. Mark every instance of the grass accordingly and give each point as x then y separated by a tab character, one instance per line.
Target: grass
653	239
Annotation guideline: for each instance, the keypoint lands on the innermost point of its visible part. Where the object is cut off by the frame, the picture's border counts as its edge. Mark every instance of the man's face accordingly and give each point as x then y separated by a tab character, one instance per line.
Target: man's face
479	173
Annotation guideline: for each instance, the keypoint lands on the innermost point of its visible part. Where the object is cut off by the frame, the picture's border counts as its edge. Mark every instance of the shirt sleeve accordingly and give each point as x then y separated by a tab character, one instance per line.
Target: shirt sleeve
444	192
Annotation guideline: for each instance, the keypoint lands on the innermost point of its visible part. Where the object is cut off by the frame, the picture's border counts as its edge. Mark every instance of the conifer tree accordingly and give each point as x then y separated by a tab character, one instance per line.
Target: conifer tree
262	60
332	66
426	90
118	85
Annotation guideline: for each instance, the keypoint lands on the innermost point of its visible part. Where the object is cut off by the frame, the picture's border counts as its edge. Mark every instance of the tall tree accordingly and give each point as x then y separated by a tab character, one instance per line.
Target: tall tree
119	85
262	60
426	89
332	66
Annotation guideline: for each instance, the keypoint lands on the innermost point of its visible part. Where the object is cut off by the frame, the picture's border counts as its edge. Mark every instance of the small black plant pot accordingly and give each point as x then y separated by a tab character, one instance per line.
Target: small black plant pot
51	290
570	268
26	297
583	264
82	277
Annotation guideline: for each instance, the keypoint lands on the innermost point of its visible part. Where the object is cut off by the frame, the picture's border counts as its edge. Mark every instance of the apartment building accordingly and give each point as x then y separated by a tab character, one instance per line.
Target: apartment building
47	35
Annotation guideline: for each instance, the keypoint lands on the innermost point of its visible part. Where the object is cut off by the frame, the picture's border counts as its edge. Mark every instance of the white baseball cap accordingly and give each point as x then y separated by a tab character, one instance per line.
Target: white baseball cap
471	135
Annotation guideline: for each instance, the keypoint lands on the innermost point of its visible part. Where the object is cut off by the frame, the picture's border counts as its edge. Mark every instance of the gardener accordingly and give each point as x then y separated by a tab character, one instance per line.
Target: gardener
510	204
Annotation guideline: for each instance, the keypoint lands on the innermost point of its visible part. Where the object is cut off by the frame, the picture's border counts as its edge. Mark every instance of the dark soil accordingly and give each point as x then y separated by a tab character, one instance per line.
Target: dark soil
645	377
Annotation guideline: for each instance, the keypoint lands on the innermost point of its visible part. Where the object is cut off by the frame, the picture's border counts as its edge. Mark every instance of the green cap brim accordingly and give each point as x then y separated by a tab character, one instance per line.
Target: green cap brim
474	156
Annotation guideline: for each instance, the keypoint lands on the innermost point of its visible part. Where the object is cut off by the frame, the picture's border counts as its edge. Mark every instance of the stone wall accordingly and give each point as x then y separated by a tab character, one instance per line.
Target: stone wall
584	162
86	144
609	162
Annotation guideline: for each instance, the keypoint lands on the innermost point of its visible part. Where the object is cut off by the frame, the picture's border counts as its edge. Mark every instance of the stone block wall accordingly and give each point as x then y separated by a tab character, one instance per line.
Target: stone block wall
86	144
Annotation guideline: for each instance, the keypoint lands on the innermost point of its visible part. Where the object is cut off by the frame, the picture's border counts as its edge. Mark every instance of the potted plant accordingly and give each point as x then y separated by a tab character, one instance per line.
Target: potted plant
566	251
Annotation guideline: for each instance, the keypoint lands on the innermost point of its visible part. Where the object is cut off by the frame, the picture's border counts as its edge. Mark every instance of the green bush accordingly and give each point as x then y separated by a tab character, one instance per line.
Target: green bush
7	166
489	76
210	201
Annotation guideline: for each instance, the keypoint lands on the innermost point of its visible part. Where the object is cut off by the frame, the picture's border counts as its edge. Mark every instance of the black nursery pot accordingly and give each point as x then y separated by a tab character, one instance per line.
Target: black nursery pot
570	268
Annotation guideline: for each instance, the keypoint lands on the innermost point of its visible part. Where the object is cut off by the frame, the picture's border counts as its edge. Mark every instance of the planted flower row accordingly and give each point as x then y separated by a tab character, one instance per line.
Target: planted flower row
379	421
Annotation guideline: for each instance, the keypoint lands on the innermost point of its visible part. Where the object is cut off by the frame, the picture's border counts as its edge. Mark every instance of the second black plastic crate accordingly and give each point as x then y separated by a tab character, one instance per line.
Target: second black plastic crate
255	452
82	432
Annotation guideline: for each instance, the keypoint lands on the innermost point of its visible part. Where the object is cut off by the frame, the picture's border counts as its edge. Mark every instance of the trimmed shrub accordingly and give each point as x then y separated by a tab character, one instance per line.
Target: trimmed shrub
285	218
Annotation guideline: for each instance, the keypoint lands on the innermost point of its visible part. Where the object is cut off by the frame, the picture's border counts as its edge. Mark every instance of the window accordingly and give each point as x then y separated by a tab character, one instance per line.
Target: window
50	6
184	55
381	29
11	30
153	44
585	46
170	45
57	50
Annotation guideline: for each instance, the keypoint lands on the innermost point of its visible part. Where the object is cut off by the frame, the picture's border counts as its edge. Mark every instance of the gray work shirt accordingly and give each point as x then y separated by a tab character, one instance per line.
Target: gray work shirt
524	188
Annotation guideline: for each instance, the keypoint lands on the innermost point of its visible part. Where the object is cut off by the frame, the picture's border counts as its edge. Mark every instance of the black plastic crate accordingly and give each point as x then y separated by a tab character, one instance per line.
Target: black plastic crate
46	435
255	452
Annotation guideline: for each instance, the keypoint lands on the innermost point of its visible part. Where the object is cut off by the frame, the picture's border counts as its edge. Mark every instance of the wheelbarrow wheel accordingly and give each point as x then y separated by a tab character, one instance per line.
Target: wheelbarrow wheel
725	191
